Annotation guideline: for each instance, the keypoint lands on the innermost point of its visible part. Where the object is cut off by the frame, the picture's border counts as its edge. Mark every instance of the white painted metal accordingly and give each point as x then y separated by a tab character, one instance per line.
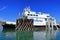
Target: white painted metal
39	18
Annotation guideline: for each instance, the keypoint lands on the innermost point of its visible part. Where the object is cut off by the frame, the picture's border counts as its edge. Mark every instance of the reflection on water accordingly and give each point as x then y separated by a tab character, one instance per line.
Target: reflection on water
7	34
24	35
38	35
44	35
58	35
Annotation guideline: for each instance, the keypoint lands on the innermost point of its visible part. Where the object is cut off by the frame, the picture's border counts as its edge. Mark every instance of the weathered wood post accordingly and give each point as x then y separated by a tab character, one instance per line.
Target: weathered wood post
24	24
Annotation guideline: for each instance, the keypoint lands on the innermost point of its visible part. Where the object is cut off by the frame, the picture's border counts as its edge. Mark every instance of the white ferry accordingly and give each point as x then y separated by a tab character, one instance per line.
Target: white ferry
39	19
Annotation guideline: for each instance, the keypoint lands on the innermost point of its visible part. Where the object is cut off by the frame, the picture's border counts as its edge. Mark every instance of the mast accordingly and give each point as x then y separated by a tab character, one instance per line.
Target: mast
25	11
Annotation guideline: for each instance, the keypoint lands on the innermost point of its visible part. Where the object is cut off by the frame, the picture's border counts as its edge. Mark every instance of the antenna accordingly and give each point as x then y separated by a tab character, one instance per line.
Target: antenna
27	8
19	14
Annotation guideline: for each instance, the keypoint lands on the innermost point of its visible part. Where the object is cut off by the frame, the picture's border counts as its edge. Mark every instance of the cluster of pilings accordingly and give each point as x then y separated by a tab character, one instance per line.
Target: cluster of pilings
24	24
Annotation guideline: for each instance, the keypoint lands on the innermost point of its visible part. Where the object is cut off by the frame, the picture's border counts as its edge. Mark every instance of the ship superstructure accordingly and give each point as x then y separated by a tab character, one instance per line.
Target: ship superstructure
39	19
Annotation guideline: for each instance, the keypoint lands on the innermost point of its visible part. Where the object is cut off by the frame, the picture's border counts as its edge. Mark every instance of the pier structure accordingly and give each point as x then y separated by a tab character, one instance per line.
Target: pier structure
24	24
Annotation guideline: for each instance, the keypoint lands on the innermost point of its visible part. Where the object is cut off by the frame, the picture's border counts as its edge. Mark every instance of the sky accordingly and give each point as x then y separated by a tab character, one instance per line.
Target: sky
9	9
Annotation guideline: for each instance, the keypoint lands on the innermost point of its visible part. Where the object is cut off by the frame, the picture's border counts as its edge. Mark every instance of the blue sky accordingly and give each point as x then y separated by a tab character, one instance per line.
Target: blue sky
9	9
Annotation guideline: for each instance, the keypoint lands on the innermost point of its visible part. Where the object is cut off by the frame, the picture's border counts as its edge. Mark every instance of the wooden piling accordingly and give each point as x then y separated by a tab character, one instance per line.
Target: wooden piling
24	24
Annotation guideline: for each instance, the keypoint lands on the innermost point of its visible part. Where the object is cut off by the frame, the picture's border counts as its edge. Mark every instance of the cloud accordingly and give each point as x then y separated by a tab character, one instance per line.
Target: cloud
2	8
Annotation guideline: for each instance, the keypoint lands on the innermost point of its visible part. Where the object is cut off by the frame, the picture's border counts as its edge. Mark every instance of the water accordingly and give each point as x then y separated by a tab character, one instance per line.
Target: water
38	35
7	34
29	35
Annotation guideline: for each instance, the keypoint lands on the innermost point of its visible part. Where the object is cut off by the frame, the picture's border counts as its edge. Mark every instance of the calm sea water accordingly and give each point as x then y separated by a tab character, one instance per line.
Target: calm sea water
7	34
38	35
29	35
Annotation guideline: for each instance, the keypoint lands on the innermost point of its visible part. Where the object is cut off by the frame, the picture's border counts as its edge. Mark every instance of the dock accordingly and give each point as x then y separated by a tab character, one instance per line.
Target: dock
24	24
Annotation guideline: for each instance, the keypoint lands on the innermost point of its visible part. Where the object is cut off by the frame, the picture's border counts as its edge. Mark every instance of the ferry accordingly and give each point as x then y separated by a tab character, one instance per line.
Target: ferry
39	19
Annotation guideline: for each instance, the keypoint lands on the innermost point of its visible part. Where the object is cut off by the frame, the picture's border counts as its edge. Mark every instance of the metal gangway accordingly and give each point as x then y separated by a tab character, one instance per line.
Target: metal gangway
50	24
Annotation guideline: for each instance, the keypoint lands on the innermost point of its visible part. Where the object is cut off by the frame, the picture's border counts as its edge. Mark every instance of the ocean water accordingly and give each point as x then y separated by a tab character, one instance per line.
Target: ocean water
38	35
29	35
7	34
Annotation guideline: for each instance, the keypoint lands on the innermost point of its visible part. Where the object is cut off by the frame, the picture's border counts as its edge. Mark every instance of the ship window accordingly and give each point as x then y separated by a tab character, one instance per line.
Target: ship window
46	19
50	19
38	20
31	14
36	15
47	16
28	14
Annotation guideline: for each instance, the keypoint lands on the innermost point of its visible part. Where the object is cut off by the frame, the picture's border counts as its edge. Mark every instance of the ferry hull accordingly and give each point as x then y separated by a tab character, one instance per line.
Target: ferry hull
43	27
8	26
